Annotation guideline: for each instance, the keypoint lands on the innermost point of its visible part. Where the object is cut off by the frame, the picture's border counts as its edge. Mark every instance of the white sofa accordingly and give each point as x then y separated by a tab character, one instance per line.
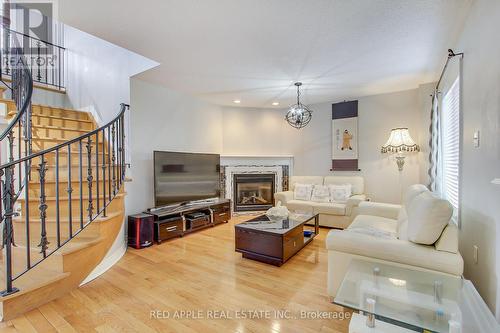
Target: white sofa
334	215
380	233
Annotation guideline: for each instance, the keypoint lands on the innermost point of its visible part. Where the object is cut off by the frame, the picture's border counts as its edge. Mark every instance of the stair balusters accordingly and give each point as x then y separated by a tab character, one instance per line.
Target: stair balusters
11	54
70	191
110	157
113	158
97	170
8	229
89	177
43	245
103	172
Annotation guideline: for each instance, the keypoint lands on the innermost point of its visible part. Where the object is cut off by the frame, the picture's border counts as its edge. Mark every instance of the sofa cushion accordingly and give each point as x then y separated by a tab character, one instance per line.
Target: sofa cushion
412	191
300	206
427	217
320	193
302	192
374	222
283	197
386	210
448	241
329	208
358	183
313	180
402	218
340	193
403	230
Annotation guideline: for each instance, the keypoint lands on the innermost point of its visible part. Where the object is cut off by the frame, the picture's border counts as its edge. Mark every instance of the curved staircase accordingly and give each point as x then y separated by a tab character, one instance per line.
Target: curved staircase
64	204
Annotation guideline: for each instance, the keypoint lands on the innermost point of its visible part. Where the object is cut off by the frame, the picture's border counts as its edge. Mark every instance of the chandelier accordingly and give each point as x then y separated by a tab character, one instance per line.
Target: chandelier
298	115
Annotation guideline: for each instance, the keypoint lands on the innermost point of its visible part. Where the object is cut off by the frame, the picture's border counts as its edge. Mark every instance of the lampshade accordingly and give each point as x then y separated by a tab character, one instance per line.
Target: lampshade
399	141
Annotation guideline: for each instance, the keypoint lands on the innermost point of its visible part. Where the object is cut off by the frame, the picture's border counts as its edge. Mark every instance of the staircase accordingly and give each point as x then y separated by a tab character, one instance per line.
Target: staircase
61	183
70	204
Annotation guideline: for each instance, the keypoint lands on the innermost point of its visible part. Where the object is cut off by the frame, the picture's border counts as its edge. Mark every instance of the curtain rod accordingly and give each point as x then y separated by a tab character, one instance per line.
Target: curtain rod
451	55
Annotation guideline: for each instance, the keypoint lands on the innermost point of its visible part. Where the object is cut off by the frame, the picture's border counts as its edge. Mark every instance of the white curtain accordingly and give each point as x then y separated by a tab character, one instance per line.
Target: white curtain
435	174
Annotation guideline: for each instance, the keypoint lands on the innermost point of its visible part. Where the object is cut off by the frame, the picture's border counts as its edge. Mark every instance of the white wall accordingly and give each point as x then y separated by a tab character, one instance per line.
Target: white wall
264	132
481	111
98	74
162	119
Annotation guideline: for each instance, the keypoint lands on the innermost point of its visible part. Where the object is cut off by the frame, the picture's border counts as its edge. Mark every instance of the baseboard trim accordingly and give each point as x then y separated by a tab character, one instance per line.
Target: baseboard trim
109	261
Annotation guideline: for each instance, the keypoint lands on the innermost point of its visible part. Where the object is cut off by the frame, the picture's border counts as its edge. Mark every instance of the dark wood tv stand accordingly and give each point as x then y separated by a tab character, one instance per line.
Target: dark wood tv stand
174	222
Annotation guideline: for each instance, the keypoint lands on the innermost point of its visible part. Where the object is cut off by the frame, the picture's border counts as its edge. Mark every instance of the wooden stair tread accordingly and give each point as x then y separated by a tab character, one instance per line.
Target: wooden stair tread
44	138
40	110
75	244
85	166
70	129
65	181
7	100
38	276
36	107
30	282
65	198
63	140
65	152
62	118
65	220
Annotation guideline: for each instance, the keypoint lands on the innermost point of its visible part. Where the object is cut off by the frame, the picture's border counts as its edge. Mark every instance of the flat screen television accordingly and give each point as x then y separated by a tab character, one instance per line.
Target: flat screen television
184	177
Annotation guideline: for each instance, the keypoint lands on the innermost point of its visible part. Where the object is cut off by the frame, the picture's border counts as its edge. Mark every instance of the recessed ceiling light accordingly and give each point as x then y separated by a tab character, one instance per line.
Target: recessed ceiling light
276	103
237	101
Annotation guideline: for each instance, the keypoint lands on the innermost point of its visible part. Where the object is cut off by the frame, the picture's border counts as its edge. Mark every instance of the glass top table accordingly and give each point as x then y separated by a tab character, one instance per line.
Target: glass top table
277	225
417	300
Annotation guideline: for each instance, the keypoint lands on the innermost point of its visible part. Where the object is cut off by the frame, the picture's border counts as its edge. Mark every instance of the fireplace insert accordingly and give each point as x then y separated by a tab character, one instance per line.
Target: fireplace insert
253	192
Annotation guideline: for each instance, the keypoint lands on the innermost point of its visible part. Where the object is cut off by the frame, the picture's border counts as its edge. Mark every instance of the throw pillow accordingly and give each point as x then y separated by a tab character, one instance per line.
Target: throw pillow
427	217
320	193
302	192
340	193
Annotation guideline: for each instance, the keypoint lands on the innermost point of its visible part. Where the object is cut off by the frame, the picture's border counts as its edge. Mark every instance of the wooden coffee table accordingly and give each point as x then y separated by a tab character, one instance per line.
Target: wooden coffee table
274	241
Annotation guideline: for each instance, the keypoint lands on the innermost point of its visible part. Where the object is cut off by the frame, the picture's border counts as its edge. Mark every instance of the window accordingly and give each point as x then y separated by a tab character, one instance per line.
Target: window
450	145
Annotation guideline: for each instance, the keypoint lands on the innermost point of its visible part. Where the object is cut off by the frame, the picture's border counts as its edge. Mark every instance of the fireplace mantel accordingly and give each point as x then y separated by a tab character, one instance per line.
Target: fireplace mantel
280	165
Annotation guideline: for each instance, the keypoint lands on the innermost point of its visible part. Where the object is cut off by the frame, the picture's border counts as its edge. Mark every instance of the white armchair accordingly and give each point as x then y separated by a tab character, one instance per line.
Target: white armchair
380	233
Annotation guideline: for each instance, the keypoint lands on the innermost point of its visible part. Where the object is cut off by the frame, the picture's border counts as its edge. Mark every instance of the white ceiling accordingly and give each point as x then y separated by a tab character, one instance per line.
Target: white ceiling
254	50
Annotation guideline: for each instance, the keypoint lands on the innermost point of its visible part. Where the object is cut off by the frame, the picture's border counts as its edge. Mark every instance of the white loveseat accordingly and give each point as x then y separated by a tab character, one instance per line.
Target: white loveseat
334	215
380	233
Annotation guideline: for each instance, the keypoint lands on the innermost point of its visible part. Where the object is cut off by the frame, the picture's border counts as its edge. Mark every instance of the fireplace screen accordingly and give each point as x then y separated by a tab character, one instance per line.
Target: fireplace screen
253	192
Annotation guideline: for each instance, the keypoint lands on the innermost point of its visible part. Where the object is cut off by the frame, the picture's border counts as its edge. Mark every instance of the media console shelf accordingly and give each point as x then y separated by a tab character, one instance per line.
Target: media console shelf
178	221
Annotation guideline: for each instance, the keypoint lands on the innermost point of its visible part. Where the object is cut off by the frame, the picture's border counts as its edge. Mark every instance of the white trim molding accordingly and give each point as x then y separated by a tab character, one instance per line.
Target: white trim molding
240	164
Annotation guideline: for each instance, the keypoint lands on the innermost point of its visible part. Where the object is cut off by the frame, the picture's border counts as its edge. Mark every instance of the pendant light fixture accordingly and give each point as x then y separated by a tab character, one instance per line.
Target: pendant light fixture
298	115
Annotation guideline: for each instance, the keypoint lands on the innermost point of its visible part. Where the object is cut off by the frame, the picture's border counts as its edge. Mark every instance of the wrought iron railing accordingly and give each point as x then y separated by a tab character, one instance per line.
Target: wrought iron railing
93	165
46	60
16	136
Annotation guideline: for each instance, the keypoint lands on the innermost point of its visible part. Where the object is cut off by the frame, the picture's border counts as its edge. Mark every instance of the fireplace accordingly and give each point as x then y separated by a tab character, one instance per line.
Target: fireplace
253	192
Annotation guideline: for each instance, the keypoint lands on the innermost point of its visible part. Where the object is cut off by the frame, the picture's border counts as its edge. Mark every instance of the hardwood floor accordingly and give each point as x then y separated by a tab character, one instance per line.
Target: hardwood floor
201	285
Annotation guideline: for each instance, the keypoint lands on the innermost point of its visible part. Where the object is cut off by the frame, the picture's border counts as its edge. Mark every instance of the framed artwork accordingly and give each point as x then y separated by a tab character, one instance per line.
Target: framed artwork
345	136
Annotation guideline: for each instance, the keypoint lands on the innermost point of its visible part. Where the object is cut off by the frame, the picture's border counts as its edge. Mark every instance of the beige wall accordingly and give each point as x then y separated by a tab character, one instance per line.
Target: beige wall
480	202
264	132
480	209
162	119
